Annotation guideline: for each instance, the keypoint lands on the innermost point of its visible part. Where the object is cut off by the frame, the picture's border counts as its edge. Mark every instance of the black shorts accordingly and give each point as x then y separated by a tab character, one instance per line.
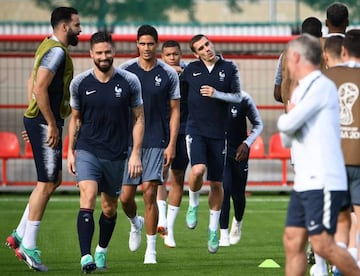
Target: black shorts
48	161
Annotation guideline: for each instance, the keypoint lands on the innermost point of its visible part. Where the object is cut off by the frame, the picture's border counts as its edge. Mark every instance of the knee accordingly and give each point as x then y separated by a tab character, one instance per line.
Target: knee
293	242
109	210
149	194
198	171
45	188
125	199
216	187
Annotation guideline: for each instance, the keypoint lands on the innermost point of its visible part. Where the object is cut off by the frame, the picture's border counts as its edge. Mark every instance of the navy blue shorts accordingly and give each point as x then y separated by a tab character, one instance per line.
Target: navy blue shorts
315	210
181	159
48	161
107	173
353	178
207	151
152	160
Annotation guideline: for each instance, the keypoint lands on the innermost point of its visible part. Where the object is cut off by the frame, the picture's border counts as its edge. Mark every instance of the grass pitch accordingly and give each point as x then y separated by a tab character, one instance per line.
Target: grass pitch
261	240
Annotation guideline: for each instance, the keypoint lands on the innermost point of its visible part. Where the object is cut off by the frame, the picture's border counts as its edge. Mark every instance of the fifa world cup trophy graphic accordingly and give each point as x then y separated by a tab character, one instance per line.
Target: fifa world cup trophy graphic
348	94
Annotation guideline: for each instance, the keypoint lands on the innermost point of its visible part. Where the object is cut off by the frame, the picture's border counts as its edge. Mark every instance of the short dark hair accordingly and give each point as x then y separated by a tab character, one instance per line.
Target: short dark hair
147	30
170	43
338	14
99	37
195	39
313	26
352	42
333	45
61	14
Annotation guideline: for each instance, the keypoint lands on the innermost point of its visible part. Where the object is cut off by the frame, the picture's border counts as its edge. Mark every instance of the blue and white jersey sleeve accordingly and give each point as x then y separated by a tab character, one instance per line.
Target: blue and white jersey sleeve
234	95
174	92
53	59
74	89
254	117
135	86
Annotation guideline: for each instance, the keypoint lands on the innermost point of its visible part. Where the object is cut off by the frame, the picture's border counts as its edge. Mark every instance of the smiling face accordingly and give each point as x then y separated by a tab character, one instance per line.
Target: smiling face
73	30
204	50
103	55
147	47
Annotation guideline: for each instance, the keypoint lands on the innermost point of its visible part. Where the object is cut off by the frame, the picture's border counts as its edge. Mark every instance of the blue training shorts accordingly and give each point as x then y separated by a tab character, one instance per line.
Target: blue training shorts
207	151
152	160
315	210
107	173
181	159
48	161
353	178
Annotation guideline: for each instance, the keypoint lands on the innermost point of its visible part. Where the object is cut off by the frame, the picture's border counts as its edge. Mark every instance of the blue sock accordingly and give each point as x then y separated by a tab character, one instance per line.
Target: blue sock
107	226
85	227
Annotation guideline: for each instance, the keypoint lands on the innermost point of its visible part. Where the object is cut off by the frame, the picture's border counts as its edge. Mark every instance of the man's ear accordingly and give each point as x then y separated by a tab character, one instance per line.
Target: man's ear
344	52
196	55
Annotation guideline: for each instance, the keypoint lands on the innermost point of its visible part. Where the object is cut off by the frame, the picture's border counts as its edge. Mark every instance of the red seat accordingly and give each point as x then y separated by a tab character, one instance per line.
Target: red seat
65	147
257	149
278	151
9	148
28	153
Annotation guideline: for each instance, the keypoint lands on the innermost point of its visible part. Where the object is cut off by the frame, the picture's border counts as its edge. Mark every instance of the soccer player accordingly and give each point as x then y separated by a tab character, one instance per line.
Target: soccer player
161	95
284	86
320	178
171	54
98	143
347	79
211	83
48	94
236	165
337	19
332	51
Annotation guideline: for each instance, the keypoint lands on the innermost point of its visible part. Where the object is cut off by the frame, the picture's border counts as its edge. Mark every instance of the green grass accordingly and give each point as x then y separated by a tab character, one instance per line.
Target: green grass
261	240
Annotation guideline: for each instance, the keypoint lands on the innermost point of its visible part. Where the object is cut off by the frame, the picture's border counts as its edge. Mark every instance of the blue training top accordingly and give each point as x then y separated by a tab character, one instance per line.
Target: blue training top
237	131
105	112
159	86
207	115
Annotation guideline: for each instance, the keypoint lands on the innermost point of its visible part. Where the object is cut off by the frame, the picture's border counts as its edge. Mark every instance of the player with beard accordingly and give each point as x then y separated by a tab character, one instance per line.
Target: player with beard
101	99
48	95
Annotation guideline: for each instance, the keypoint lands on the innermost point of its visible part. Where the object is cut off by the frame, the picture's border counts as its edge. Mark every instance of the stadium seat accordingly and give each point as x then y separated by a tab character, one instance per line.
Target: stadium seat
9	148
278	151
257	149
65	146
28	153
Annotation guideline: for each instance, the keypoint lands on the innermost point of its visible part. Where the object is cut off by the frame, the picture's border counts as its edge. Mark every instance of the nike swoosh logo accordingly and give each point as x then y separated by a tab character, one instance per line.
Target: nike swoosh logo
196	74
90	92
312	227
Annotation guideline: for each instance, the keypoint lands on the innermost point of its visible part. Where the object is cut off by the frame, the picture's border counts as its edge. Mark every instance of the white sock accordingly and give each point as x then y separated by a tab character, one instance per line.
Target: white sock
224	232
100	249
32	229
214	220
194	198
20	230
171	216
320	263
341	244
353	252
150	243
162	212
135	221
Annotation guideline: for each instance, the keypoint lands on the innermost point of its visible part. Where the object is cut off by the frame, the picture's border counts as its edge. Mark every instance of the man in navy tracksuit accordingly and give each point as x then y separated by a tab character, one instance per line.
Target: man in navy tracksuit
212	83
